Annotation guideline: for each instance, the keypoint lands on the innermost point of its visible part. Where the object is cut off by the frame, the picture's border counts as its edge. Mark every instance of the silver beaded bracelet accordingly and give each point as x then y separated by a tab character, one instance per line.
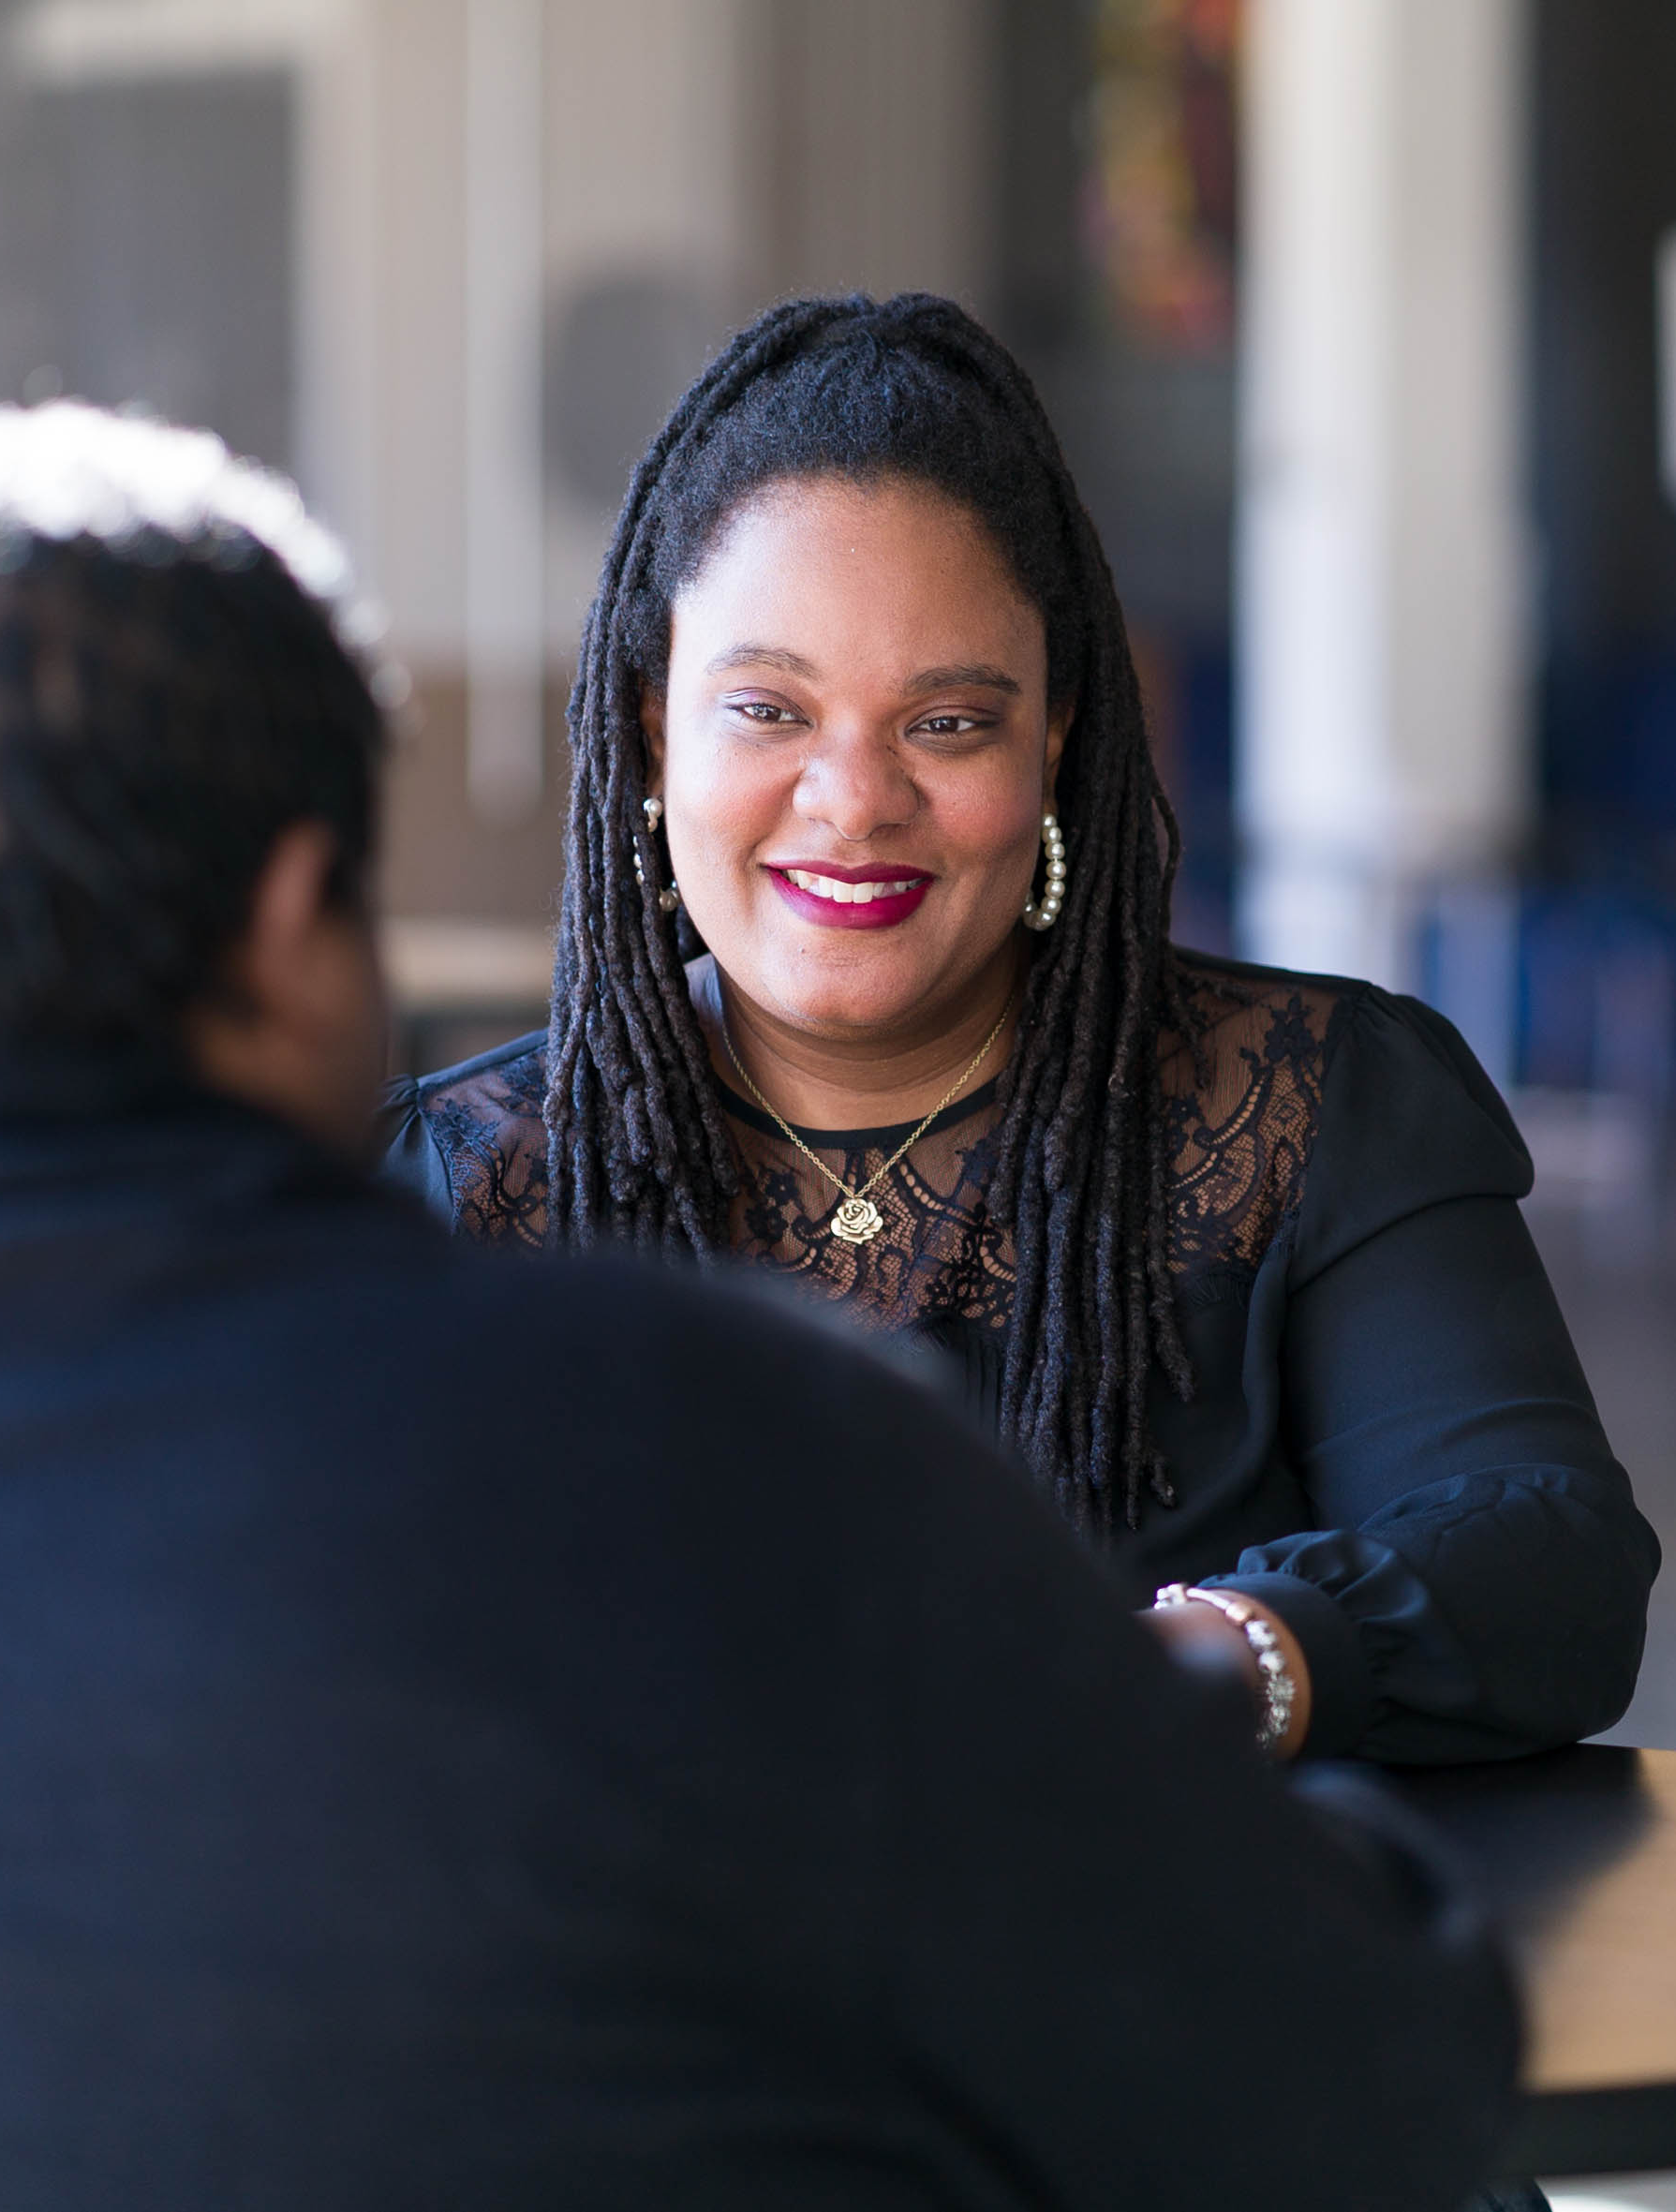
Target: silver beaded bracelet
1279	1689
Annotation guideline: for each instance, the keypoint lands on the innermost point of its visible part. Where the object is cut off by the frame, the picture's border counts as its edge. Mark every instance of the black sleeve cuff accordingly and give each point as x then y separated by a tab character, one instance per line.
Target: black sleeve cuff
1341	1680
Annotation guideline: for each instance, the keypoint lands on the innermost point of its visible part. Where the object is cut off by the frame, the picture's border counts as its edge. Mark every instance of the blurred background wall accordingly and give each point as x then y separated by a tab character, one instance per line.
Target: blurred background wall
1357	319
1357	316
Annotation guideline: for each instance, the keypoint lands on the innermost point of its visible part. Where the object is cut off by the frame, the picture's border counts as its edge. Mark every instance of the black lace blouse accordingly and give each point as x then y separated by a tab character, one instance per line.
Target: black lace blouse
1389	1440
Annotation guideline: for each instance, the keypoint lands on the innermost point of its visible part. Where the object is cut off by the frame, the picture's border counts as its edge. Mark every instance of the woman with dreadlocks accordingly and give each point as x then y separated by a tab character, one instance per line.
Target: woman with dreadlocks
864	975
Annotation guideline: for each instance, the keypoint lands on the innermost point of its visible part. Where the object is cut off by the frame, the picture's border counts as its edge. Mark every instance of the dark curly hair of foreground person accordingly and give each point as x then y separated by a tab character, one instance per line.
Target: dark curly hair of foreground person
176	686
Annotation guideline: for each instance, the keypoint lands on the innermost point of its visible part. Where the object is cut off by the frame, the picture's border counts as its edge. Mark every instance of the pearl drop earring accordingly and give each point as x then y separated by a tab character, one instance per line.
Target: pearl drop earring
668	900
1053	890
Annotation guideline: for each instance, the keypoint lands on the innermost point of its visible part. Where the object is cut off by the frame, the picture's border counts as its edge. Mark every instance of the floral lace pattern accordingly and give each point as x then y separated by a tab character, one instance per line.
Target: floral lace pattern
1240	1142
939	1255
1242	1120
490	1136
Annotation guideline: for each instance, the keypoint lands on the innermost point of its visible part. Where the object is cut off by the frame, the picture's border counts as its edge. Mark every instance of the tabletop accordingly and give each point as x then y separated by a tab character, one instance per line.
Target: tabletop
1575	1854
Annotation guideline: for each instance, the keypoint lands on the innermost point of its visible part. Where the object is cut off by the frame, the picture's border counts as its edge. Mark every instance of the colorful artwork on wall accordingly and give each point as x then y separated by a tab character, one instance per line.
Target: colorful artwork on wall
1161	189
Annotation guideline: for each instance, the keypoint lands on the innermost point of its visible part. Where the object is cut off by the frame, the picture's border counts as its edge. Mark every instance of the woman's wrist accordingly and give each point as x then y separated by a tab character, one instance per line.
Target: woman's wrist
1271	1657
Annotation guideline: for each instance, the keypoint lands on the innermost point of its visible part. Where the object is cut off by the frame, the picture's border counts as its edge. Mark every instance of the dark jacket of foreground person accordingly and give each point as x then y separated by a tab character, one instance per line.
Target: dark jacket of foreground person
474	1736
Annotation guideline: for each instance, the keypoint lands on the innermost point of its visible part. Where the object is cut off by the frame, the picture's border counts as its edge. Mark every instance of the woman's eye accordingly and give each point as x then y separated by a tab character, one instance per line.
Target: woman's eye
764	712
949	725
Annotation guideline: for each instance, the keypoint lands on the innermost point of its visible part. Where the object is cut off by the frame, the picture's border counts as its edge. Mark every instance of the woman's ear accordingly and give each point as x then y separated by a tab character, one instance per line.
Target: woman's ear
651	729
1060	719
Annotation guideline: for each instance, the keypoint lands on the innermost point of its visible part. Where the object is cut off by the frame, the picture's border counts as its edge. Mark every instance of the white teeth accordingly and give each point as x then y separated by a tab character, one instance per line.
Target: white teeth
849	893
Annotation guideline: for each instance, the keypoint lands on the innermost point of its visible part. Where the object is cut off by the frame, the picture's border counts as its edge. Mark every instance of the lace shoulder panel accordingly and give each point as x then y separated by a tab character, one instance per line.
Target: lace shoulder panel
1243	1115
1244	1111
484	1118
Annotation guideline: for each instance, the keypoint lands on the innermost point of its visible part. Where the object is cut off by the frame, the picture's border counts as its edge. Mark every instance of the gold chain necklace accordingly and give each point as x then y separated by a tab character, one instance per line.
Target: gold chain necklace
856	1218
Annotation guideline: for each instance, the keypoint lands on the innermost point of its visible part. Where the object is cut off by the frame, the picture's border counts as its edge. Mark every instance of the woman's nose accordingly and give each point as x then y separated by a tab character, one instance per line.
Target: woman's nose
856	785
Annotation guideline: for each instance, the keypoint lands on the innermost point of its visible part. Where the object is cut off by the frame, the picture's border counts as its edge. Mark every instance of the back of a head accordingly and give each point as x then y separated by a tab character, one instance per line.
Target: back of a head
176	688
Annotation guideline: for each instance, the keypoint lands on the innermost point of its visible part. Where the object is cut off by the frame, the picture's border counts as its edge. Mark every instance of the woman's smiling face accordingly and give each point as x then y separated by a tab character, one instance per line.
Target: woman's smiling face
854	749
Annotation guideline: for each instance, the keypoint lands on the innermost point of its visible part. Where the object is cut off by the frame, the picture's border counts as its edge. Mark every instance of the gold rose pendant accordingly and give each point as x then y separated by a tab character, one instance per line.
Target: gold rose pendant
858	1220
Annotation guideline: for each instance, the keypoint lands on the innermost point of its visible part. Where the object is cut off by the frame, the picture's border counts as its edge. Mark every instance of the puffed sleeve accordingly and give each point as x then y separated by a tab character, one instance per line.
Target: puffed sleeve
405	1151
1476	1586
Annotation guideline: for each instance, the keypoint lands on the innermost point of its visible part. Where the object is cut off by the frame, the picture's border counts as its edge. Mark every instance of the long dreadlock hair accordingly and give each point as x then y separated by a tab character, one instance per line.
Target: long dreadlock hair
909	388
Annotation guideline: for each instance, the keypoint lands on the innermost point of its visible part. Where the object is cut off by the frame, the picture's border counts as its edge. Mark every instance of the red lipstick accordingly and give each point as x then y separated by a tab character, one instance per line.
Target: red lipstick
824	892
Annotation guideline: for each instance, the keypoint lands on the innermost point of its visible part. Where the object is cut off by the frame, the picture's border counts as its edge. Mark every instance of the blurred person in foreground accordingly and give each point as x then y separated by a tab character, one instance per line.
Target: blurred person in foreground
865	976
475	1735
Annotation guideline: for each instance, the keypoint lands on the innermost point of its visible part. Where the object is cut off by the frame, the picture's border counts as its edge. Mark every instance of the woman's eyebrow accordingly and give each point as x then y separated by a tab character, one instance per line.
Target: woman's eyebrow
751	655
964	672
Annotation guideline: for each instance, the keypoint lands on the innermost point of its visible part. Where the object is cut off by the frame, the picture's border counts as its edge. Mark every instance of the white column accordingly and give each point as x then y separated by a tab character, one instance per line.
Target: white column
505	508
337	361
649	172
1382	551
